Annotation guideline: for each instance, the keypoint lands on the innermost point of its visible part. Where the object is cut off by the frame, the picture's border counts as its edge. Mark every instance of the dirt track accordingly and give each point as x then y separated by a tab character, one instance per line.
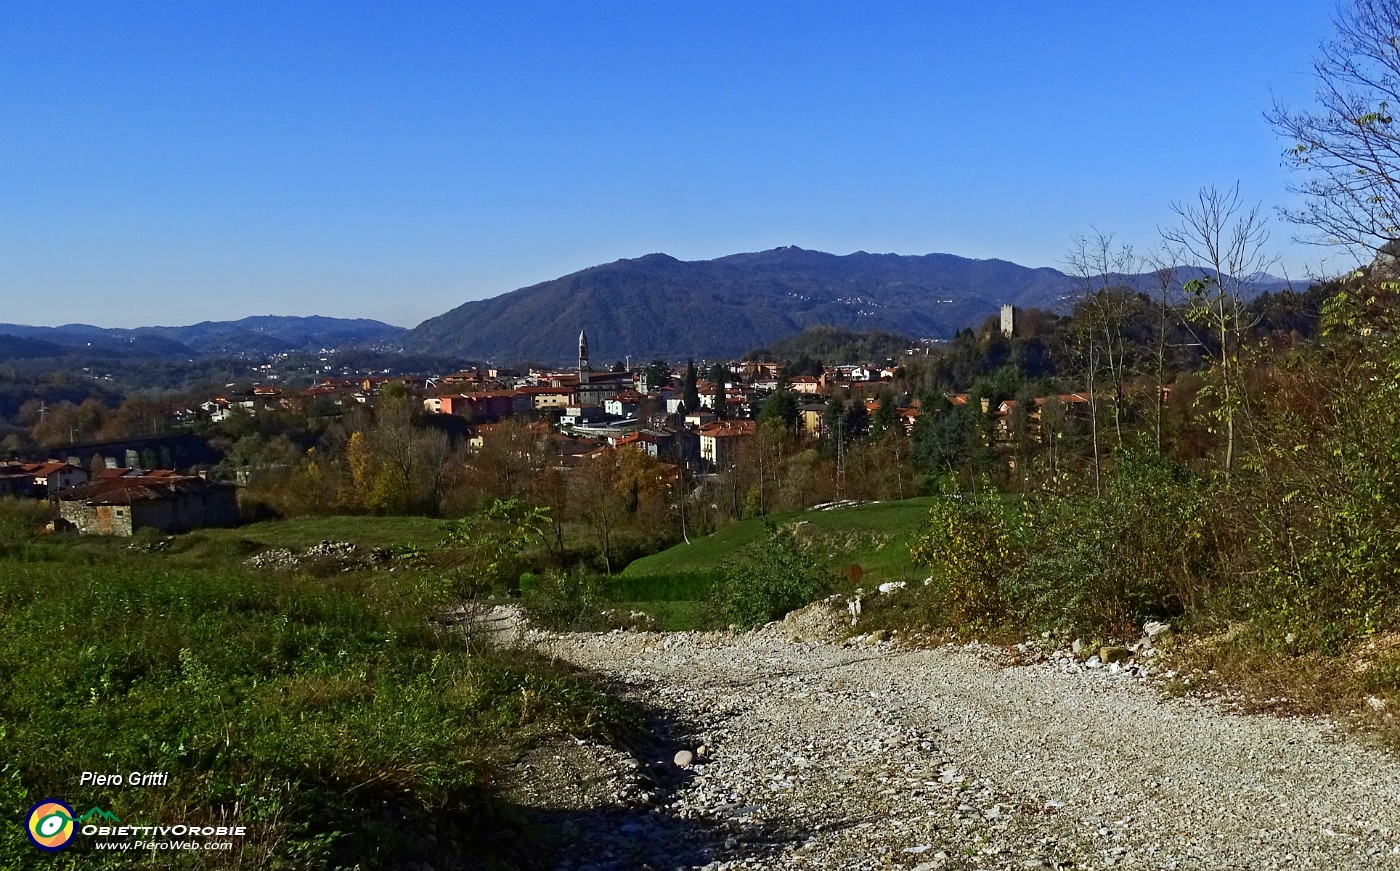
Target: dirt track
819	756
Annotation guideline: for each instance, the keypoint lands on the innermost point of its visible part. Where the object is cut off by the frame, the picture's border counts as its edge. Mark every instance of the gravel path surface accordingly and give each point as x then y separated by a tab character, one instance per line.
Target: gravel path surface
813	755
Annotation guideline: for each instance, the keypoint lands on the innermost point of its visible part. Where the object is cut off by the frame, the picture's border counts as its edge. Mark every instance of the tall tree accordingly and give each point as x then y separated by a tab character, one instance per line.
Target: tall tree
833	425
719	375
857	420
1226	238
1164	262
657	374
886	414
690	388
1348	147
782	406
1098	327
602	508
508	461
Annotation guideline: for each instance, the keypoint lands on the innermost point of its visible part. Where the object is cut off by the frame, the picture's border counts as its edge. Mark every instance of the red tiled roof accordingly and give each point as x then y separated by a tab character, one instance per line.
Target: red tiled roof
48	467
123	491
729	428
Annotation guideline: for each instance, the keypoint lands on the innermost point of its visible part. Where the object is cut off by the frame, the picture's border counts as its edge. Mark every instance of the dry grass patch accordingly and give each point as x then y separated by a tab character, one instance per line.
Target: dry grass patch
1358	687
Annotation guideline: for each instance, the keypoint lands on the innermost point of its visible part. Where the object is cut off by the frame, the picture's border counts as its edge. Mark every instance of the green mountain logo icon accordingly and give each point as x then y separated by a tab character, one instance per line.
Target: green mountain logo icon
100	814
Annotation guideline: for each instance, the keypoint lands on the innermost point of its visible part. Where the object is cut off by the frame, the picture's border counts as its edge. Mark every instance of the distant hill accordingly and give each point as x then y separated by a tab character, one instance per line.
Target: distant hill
835	345
252	335
658	306
15	348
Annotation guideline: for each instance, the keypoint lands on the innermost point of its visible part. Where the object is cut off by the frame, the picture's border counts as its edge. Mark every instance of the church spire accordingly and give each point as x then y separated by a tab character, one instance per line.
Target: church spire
582	357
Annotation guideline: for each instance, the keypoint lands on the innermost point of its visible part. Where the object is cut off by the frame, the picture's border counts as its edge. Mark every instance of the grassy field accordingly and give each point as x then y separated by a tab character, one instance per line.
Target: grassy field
303	532
324	712
876	537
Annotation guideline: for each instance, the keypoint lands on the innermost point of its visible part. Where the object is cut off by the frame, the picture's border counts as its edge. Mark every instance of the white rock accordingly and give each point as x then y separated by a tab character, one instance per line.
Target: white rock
1151	629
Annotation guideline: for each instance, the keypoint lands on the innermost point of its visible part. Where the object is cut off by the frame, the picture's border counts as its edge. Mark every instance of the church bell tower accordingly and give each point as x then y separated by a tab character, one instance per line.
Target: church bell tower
582	357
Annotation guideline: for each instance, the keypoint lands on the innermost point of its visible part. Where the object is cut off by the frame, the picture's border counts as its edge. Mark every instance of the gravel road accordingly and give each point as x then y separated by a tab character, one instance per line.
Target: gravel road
812	755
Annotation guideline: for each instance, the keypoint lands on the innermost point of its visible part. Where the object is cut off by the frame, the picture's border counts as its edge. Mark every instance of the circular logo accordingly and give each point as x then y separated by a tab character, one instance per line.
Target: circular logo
50	825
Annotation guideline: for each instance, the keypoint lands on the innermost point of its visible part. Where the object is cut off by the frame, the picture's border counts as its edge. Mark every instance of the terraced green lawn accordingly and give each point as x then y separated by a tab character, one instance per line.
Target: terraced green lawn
876	537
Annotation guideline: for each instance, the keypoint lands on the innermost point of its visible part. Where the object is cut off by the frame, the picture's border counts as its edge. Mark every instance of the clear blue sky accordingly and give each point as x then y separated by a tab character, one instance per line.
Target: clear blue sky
176	162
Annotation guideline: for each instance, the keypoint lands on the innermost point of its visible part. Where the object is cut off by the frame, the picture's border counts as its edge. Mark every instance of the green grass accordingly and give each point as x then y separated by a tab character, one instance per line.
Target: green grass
672	585
876	537
673	615
330	712
303	532
675	587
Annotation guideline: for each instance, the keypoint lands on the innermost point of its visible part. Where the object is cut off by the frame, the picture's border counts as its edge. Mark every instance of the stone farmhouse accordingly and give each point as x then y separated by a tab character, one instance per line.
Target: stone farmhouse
163	501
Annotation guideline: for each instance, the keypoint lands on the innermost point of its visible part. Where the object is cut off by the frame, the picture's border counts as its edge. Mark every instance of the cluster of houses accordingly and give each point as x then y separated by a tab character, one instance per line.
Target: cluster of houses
120	501
587	409
581	410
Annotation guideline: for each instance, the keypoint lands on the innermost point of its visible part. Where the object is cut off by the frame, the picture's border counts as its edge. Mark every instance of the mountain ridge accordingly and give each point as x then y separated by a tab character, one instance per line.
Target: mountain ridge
258	334
657	305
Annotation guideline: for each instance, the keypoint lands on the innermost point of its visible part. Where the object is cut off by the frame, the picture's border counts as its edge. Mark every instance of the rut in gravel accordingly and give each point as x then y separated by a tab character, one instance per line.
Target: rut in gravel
820	756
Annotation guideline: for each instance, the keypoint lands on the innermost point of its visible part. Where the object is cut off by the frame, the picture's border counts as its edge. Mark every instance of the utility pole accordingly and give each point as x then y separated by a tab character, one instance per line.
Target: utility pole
841	458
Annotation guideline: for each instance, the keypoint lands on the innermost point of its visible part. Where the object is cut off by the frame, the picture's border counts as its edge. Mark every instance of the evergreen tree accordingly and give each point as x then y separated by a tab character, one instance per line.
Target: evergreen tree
856	420
690	388
833	425
719	374
886	416
782	405
946	437
657	373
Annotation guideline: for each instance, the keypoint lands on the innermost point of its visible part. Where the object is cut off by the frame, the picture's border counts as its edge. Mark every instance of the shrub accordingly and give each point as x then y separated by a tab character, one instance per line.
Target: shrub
971	542
1104	565
564	599
492	545
768	579
20	520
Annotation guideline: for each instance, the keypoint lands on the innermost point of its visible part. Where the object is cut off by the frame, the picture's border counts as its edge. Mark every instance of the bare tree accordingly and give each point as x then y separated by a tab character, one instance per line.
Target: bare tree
594	495
1225	239
392	439
1348	147
1164	262
1100	316
508	460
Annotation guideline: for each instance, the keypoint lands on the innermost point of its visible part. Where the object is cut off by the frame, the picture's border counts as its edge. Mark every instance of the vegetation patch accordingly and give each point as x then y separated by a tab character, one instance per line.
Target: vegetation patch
327	715
687	585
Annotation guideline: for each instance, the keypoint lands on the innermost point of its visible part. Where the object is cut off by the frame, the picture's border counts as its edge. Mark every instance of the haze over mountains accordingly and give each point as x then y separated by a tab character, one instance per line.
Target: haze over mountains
260	335
658	306
646	307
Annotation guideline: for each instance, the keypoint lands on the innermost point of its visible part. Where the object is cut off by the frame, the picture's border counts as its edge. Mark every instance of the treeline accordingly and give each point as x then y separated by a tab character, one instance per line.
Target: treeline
833	345
1285	524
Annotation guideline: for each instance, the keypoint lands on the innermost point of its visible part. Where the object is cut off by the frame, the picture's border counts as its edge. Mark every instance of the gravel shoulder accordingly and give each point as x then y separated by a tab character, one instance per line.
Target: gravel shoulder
812	755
